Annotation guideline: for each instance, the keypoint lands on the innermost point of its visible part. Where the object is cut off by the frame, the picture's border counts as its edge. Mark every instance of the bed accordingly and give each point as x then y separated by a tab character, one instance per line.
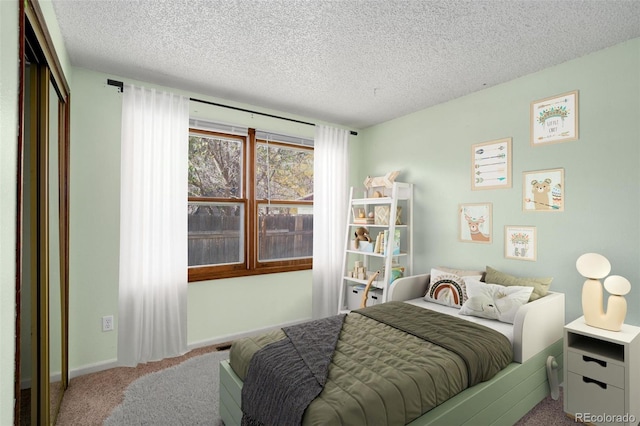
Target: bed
535	336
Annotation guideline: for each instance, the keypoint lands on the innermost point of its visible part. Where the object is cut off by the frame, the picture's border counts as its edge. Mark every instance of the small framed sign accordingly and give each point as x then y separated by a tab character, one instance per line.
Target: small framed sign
520	242
554	119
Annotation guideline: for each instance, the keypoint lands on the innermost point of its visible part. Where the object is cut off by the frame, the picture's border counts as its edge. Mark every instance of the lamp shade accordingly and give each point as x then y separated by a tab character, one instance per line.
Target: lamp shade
593	265
615	284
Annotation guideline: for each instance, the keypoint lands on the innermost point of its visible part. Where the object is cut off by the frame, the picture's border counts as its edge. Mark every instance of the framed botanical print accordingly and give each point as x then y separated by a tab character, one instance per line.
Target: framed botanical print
491	164
520	242
475	223
543	191
554	119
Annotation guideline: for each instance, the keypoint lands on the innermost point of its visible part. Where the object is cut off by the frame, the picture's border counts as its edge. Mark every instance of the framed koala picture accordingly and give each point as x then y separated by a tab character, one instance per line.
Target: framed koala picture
543	191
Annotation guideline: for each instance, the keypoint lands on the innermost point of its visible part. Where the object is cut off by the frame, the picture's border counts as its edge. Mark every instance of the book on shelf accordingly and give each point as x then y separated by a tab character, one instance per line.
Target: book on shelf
363	221
361	216
395	247
397	271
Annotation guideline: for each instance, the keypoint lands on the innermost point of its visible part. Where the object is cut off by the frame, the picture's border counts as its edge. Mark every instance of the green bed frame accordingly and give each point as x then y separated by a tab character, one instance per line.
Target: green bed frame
503	400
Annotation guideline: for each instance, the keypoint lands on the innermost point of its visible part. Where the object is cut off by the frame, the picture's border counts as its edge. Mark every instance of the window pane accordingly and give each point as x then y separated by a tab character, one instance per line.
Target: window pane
285	174
215	167
216	233
285	232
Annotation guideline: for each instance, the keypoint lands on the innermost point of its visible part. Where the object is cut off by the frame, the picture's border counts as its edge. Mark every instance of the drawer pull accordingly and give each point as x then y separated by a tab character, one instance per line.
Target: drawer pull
589	380
597	361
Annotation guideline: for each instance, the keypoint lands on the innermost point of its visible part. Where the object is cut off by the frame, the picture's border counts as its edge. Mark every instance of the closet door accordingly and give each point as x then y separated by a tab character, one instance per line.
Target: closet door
55	287
43	243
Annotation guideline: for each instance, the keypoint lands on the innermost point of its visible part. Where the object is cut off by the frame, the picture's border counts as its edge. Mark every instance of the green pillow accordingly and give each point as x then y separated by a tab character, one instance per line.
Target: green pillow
540	285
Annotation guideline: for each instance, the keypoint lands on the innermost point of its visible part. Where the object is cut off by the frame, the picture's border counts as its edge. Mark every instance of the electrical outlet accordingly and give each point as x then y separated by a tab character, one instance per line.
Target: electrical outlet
107	323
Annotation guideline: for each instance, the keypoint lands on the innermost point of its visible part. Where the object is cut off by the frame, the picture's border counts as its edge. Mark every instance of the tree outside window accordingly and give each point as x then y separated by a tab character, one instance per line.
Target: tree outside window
238	229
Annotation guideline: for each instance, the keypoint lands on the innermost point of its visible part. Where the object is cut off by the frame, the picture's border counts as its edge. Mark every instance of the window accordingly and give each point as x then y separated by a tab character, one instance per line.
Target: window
250	204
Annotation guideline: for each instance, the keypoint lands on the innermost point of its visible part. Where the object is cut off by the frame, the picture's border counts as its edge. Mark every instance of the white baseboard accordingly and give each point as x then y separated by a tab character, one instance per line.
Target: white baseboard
106	365
93	368
232	337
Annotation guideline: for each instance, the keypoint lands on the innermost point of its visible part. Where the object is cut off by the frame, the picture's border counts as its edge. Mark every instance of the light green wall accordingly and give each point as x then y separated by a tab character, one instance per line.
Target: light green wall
8	182
432	148
94	219
216	309
220	309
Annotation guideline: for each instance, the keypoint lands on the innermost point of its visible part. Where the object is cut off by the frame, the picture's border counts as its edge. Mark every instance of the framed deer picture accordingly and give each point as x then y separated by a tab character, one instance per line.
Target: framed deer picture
475	223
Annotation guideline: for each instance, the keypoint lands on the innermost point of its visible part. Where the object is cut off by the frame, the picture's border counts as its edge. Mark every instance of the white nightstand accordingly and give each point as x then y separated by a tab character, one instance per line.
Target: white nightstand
602	374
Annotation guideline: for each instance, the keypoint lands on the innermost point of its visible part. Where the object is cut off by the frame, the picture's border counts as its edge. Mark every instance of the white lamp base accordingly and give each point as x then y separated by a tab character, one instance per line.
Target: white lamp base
594	315
594	266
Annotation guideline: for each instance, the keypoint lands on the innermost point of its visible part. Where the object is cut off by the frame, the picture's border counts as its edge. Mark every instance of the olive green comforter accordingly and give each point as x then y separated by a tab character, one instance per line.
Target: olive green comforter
393	362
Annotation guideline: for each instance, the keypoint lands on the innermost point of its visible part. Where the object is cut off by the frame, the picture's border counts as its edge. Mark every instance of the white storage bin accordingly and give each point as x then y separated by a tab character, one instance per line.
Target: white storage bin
354	296
374	297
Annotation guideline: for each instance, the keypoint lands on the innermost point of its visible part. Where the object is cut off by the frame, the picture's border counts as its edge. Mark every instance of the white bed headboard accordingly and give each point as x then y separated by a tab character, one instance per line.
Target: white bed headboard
537	325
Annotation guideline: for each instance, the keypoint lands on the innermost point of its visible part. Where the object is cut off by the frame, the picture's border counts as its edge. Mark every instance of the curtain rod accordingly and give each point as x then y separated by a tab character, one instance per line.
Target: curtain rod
120	86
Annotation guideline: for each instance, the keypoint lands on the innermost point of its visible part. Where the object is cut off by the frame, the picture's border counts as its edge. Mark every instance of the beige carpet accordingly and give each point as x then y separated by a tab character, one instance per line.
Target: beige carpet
90	399
547	413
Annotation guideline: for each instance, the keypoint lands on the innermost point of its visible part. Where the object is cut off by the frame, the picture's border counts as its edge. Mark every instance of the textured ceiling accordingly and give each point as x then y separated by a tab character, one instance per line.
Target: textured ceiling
352	62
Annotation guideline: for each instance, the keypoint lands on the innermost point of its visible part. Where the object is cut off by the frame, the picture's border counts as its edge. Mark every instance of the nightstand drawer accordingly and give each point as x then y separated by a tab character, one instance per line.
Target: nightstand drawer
588	396
596	368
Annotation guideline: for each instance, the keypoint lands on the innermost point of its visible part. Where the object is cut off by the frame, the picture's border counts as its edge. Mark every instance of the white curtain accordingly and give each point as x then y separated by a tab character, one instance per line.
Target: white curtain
330	203
152	311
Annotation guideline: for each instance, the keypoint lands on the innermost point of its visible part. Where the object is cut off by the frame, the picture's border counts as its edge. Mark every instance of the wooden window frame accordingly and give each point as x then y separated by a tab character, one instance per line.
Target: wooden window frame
251	265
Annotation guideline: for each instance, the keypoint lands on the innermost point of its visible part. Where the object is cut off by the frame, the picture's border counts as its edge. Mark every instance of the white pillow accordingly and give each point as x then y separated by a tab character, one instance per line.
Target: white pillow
494	301
447	288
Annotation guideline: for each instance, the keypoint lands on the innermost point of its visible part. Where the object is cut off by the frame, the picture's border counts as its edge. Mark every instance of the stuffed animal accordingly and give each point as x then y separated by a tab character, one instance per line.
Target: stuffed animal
362	234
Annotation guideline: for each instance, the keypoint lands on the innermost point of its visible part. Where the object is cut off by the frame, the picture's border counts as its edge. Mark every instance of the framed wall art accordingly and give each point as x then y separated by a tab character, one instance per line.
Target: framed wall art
543	191
520	242
554	119
475	223
491	164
